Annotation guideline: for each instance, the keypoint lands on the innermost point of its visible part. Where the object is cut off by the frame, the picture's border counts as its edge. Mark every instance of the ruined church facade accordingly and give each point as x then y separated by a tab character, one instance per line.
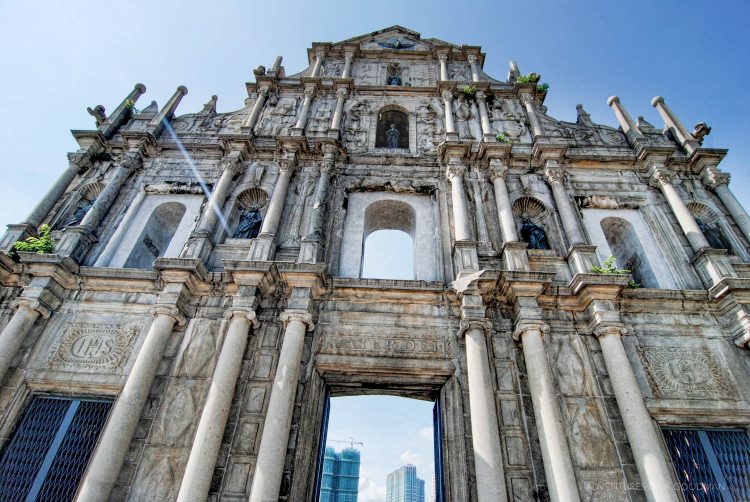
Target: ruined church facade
205	296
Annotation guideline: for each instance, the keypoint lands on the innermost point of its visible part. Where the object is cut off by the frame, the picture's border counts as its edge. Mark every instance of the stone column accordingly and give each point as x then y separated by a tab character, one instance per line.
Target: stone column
348	58
77	164
341	94
642	437
257	107
484	115
474	68
269	465
719	181
674	125
166	113
555	175
302	119
115	439
122	227
15	331
196	481
558	466
528	103
450	127
122	112
623	117
311	244
485	435
443	66
276	205
498	171
662	179
320	56
455	174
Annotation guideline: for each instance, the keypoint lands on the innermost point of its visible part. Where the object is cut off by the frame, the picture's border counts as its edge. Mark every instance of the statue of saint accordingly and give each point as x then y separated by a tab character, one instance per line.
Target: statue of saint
392	135
249	225
77	217
534	235
714	236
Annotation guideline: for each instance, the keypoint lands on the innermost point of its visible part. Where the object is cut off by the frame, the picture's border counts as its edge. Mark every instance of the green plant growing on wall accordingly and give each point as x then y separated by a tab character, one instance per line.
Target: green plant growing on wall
542	87
42	244
469	92
531	78
609	267
502	138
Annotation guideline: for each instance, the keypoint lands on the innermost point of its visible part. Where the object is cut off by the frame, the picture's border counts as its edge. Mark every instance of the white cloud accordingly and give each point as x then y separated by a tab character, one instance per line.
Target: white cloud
370	491
426	432
409	457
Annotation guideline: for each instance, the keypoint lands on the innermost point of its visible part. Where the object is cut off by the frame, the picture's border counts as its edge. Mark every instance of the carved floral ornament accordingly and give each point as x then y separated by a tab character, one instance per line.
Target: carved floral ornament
303	317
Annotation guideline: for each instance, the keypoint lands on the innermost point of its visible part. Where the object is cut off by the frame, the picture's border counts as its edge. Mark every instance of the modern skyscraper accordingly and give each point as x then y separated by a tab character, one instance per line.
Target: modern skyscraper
404	486
340	482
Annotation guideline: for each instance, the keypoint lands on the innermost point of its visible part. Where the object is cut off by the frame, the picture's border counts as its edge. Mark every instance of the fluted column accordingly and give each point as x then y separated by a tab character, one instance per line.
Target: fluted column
443	58
642	437
474	67
674	125
528	103
623	117
483	114
12	337
450	127
719	181
276	206
485	436
455	174
555	175
348	58
558	465
273	443
304	112
77	163
252	119
115	439
498	171
196	481
341	94
662	179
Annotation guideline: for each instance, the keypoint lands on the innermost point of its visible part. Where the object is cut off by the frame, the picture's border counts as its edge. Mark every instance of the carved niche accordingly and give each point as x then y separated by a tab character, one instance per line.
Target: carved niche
685	373
86	346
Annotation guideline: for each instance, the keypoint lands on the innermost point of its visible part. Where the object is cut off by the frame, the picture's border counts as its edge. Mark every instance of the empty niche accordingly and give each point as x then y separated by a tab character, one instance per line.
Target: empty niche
627	249
156	235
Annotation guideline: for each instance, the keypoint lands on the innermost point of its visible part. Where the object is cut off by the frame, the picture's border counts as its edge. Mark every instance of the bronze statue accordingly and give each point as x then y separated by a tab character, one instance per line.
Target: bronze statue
249	225
80	213
534	235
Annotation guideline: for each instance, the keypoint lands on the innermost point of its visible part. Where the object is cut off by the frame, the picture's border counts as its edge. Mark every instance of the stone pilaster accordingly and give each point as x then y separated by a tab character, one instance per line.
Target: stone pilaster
27	312
484	116
472	58
341	95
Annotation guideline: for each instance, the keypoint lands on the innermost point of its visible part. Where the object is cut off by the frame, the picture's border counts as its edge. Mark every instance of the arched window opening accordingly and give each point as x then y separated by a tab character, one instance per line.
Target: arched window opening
393	130
156	236
627	249
531	215
388	250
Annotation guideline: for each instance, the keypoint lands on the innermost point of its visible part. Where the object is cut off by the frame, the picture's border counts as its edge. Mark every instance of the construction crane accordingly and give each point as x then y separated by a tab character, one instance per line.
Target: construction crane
351	442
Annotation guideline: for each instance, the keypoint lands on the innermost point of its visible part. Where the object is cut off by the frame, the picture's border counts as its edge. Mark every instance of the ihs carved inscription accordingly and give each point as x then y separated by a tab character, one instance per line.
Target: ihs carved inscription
92	346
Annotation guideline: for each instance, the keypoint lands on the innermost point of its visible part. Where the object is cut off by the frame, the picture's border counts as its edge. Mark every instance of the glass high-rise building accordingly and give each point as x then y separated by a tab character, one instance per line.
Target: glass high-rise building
340	481
403	485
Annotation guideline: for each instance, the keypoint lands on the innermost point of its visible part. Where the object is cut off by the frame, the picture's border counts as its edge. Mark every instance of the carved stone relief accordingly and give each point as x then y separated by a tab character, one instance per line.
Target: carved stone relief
507	117
332	69
430	128
277	120
87	346
396	345
685	372
357	125
459	71
158	474
320	118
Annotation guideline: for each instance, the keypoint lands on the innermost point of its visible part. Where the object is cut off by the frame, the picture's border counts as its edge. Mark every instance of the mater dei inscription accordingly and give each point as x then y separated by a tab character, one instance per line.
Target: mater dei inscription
92	346
399	345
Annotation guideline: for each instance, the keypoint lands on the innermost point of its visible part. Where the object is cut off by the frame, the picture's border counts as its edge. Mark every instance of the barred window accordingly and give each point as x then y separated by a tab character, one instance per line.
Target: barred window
711	465
47	454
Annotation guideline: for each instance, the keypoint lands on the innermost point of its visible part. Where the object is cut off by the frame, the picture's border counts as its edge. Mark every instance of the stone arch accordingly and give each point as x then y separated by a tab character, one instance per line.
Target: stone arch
627	249
156	235
711	226
398	117
391	215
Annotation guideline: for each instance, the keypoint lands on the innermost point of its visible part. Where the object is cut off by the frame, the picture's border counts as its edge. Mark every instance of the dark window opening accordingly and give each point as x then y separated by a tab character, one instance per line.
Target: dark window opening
393	130
48	453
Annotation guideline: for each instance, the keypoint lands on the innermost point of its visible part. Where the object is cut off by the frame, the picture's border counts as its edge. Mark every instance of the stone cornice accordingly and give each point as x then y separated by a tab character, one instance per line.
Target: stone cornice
191	272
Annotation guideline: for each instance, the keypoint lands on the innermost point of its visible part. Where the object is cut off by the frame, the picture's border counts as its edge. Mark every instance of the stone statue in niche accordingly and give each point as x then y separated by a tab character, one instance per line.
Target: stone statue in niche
714	236
394	74
463	113
534	235
249	225
77	217
392	135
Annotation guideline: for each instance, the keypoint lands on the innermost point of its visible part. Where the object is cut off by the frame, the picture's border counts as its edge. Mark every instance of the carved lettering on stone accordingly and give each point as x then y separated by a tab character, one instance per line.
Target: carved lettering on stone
92	346
685	372
421	346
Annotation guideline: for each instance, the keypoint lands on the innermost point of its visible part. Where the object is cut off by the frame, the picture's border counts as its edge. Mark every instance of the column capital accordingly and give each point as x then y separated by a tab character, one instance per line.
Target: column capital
348	54
524	326
485	325
248	314
296	315
342	92
553	173
605	330
81	160
526	98
659	176
131	160
309	91
443	56
455	168
447	96
481	96
472	58
498	169
168	310
32	304
232	161
713	177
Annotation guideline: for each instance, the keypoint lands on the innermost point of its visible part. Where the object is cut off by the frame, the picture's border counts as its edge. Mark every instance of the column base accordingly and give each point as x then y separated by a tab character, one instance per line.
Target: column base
199	245
488	137
515	257
75	242
581	257
712	266
310	251
14	234
262	248
465	258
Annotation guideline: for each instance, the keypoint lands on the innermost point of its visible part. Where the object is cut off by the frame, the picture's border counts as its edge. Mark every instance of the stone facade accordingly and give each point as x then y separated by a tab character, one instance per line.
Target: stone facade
552	381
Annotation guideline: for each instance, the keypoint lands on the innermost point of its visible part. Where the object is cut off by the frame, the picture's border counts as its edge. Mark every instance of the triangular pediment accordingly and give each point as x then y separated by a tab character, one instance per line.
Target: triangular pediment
394	38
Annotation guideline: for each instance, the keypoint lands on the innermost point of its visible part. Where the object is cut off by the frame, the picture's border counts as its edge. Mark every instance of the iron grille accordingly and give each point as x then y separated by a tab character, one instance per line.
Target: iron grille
711	465
49	450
